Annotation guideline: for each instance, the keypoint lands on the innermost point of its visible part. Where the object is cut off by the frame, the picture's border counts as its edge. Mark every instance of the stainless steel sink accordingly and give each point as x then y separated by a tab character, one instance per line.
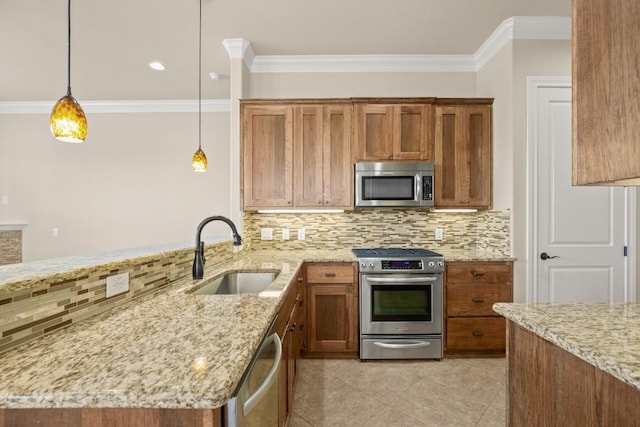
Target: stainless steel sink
235	283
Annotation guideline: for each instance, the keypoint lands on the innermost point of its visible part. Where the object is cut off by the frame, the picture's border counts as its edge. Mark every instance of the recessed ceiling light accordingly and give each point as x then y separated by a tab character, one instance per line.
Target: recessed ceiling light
158	66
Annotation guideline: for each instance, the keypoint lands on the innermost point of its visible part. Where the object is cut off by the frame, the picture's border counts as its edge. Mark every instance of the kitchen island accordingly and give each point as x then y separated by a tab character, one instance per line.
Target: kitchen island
573	364
157	354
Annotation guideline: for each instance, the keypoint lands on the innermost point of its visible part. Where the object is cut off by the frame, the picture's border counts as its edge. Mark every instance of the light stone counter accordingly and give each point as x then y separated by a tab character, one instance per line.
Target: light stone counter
604	335
167	350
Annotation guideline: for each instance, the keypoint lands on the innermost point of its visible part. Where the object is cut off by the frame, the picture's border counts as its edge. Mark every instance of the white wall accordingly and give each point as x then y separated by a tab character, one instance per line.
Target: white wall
129	185
505	76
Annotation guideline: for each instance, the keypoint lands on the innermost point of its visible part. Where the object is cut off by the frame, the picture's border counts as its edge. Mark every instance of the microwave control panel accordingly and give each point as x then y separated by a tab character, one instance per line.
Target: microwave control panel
427	187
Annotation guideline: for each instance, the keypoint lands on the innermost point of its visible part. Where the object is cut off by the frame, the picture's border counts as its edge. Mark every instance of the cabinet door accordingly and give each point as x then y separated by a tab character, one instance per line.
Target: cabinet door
374	132
267	145
606	83
308	153
463	156
338	167
413	132
330	317
322	157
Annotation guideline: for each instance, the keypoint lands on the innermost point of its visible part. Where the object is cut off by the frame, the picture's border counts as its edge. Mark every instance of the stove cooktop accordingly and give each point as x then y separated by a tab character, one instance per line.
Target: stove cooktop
394	253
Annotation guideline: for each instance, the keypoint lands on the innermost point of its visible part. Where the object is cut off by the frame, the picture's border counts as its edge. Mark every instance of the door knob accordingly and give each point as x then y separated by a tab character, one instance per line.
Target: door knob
545	256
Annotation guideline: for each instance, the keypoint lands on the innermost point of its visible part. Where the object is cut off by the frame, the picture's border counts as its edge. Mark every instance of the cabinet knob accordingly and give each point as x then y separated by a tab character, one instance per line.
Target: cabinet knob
319	202
299	279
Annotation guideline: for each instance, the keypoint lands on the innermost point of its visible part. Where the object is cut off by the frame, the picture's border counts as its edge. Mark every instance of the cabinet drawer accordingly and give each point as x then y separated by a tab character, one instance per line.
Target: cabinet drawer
483	272
475	300
476	334
330	273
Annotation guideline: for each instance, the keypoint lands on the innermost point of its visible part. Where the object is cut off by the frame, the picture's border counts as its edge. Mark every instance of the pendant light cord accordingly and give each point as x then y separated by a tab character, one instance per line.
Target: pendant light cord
199	80
69	48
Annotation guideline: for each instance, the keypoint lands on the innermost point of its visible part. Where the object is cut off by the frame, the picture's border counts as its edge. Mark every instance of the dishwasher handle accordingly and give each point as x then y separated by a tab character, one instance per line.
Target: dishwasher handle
253	400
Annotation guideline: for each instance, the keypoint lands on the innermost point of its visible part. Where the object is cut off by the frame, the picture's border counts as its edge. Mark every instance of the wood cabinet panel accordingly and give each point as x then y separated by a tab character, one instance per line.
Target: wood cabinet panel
463	144
267	156
605	86
388	129
473	300
471	289
331	297
548	386
478	272
476	334
109	417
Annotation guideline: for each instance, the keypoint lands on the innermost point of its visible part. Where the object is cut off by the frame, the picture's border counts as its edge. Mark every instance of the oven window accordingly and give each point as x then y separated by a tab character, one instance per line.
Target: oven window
388	188
400	303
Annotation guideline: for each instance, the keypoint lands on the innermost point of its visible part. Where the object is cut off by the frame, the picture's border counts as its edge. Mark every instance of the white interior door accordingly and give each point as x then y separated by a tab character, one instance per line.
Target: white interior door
578	244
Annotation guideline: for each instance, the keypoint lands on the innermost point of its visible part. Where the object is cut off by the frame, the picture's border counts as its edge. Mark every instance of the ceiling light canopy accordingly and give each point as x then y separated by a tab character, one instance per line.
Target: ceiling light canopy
68	122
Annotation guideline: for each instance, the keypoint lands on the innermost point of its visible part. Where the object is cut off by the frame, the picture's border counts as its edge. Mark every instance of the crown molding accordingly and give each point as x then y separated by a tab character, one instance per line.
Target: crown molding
98	107
514	28
523	28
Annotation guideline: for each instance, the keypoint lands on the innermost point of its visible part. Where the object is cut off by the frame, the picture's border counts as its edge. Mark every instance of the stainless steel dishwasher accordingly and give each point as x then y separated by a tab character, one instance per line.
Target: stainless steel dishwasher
255	401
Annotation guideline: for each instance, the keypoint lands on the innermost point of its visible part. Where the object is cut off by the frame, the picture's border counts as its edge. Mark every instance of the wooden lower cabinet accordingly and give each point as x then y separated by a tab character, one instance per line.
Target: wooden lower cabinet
290	327
548	386
471	289
110	417
332	308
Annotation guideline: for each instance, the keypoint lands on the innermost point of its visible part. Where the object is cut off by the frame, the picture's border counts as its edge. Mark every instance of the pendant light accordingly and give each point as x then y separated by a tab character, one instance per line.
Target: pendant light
68	122
199	161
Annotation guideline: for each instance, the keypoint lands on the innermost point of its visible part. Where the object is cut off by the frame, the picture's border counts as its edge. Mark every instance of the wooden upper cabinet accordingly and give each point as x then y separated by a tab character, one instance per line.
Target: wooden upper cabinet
463	168
394	131
267	156
605	86
323	170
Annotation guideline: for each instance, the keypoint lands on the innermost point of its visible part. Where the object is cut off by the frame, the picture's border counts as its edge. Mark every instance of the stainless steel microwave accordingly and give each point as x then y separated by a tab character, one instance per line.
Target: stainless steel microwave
394	184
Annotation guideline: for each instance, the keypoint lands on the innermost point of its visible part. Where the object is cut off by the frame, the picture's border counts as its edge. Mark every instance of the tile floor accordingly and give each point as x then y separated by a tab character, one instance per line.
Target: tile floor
451	392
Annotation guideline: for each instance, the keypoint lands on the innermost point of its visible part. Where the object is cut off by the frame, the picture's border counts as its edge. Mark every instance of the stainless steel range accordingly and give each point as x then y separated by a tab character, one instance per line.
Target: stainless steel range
401	303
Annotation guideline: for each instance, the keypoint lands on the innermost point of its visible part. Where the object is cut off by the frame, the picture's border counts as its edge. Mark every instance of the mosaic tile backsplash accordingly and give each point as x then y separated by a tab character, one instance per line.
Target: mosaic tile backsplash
487	231
44	305
10	246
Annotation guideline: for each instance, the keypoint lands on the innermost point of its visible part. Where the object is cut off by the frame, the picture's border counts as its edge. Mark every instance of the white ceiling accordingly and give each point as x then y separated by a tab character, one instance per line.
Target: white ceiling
113	41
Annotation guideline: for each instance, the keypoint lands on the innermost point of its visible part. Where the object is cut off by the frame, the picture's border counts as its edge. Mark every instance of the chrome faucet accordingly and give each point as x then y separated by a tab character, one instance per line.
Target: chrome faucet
198	261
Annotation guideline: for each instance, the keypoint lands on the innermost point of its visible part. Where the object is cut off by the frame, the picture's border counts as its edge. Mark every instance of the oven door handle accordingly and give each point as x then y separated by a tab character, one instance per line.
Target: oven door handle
404	280
408	344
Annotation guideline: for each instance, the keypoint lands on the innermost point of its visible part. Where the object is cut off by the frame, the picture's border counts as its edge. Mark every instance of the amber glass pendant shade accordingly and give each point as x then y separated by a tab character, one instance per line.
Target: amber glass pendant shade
199	162
68	122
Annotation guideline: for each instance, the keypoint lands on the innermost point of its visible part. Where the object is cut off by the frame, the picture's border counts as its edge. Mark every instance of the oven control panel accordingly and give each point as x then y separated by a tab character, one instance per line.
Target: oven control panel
373	265
401	264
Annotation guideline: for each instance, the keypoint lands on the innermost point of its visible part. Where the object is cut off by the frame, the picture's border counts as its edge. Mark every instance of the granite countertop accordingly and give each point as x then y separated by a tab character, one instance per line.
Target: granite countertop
602	334
168	350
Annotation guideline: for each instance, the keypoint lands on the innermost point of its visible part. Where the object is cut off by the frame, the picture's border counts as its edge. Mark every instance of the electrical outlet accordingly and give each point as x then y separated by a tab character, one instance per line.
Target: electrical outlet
117	284
301	234
5	200
55	232
266	234
439	234
285	234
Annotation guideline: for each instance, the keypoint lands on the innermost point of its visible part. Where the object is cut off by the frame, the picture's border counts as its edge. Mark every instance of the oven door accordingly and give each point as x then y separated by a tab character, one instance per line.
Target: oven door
395	304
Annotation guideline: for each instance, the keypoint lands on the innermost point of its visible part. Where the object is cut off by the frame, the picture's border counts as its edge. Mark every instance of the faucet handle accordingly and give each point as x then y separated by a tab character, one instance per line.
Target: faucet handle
202	252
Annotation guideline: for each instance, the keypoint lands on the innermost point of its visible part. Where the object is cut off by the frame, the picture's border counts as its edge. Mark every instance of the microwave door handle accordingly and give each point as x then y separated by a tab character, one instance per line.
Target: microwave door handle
418	188
403	280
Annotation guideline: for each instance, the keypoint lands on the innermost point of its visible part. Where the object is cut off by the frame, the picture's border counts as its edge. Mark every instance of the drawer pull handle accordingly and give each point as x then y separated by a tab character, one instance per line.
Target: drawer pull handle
299	279
478	300
478	333
478	273
329	274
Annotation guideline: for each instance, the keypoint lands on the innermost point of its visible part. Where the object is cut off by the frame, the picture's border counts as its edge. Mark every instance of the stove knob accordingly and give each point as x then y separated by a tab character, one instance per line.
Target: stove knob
440	264
363	265
371	265
432	264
